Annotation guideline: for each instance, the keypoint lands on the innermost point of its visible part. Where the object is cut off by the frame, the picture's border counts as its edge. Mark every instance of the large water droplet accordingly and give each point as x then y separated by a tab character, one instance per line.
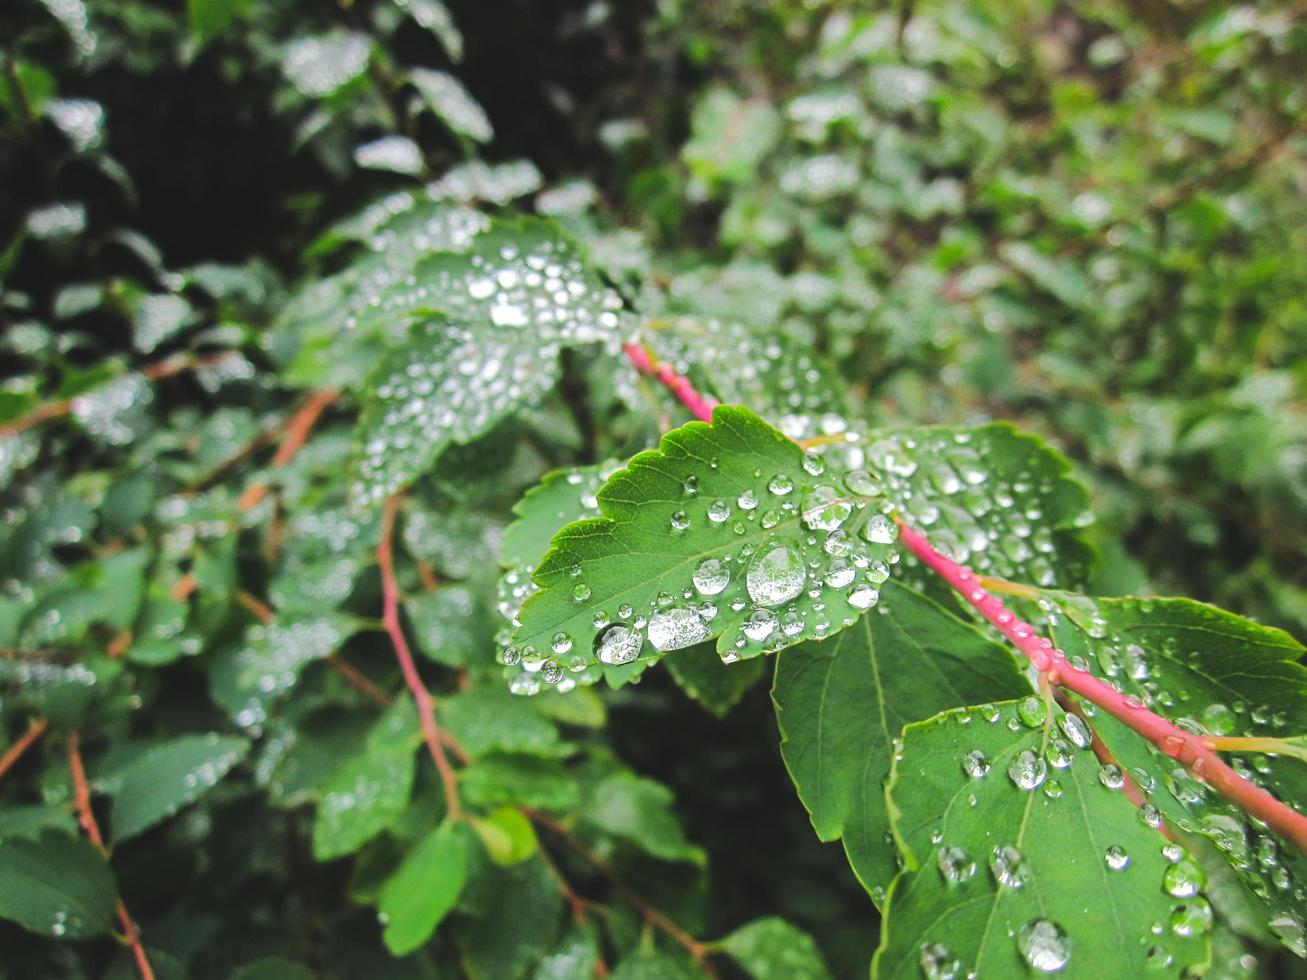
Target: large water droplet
775	575
676	628
879	529
1075	729
711	576
619	645
824	509
780	484
1044	945
759	625
1184	879
955	864
1116	858
1032	711
1028	770
1008	866
1193	918
862	596
976	764
938	962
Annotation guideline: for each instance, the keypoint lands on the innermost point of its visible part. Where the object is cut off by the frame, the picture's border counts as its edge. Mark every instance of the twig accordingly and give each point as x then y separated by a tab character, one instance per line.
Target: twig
15	752
357	680
260	609
86	817
699	951
421	696
700	405
1187	749
298	429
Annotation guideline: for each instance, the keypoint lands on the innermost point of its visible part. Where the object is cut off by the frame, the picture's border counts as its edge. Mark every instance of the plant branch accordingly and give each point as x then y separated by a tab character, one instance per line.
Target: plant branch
1189	750
699	951
298	428
700	406
421	696
15	752
86	817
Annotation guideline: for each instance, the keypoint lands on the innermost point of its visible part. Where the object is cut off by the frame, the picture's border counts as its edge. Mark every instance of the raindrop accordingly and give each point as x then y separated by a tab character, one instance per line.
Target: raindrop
679	521
976	764
1075	729
1007	864
1289	929
711	576
1111	776
824	509
561	643
862	483
581	592
1192	918
747	500
759	625
955	865
676	628
879	529
719	511
839	573
780	484
775	575
1116	858
1028	770
1032	711
938	962
1044	945
862	596
1184	879
620	644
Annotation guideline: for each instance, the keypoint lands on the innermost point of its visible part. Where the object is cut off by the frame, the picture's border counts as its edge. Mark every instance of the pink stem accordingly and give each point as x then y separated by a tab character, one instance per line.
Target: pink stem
1189	750
700	406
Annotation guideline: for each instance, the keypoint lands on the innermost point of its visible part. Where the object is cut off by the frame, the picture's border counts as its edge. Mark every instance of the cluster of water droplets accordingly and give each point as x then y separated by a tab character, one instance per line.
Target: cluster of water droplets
814	548
269	663
116	411
445	95
318	66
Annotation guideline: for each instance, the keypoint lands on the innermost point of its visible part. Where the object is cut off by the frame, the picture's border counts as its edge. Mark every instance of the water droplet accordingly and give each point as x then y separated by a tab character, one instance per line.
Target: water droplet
1111	776
679	521
879	529
759	625
775	575
620	644
719	512
1075	729
1053	789
510	656
1289	929
976	764
813	464
561	643
862	483
1116	858
747	500
955	864
1060	754
551	672
1044	945
824	509
1032	711
1150	815
839	573
1028	770
938	962
1157	958
1006	862
1193	918
862	596
581	592
711	576
690	485
1184	879
780	485
676	628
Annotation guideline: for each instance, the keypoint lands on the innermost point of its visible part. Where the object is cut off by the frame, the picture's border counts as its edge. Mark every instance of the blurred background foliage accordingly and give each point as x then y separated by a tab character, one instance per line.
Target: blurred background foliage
1090	219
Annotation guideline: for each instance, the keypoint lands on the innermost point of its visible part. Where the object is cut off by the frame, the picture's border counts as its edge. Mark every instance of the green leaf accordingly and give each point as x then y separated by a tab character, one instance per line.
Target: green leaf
321	66
492	720
841	704
639	811
507	834
653	965
151	784
561	497
497	780
451	625
364	797
992	498
700	673
519	298
58	886
576	955
434	16
424	889
445	95
1021	851
272	968
519	910
1210	670
706	536
730	136
773	949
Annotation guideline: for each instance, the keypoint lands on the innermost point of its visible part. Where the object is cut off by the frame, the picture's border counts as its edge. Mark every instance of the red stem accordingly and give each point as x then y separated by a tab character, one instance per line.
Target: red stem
700	405
1189	750
86	817
421	696
15	752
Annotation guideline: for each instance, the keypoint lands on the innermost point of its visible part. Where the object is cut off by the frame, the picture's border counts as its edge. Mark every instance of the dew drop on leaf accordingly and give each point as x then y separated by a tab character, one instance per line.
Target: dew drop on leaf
1193	918
1075	729
711	576
824	509
676	628
780	485
1028	770
719	512
862	596
1111	776
1116	858
775	575
620	644
955	864
1007	864
1032	711
976	764
879	529
1044	945
759	625
1184	879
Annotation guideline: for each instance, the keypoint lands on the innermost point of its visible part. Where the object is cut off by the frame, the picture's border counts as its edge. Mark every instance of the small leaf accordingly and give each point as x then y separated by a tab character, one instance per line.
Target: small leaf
507	834
445	95
424	889
773	949
58	886
361	799
320	66
560	498
152	784
639	811
520	909
498	780
492	720
700	673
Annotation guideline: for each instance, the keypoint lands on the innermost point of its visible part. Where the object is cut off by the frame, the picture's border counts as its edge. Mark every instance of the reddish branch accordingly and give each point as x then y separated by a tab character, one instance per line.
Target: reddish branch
86	817
16	751
1189	750
298	429
421	696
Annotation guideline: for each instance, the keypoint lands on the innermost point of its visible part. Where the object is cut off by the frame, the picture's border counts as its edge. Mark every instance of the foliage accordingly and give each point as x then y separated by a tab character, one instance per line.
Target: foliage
332	330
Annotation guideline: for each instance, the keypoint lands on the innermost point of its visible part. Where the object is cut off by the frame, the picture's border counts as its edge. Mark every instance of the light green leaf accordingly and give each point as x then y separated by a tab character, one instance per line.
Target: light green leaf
773	949
210	18
507	834
647	964
424	889
730	136
721	531
492	720
58	886
521	297
640	812
445	95
576	955
320	66
560	498
842	702
1021	852
365	796
152	784
524	780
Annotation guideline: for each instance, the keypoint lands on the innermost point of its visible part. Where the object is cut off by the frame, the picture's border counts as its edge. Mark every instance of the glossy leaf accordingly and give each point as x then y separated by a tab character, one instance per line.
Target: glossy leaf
56	885
424	889
773	949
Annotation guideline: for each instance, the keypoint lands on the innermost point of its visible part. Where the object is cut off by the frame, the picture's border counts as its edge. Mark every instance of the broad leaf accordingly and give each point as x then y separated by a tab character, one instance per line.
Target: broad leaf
492	720
1022	853
507	835
726	530
701	675
152	784
773	949
639	811
560	498
1207	670
520	908
841	705
424	889
56	885
361	799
